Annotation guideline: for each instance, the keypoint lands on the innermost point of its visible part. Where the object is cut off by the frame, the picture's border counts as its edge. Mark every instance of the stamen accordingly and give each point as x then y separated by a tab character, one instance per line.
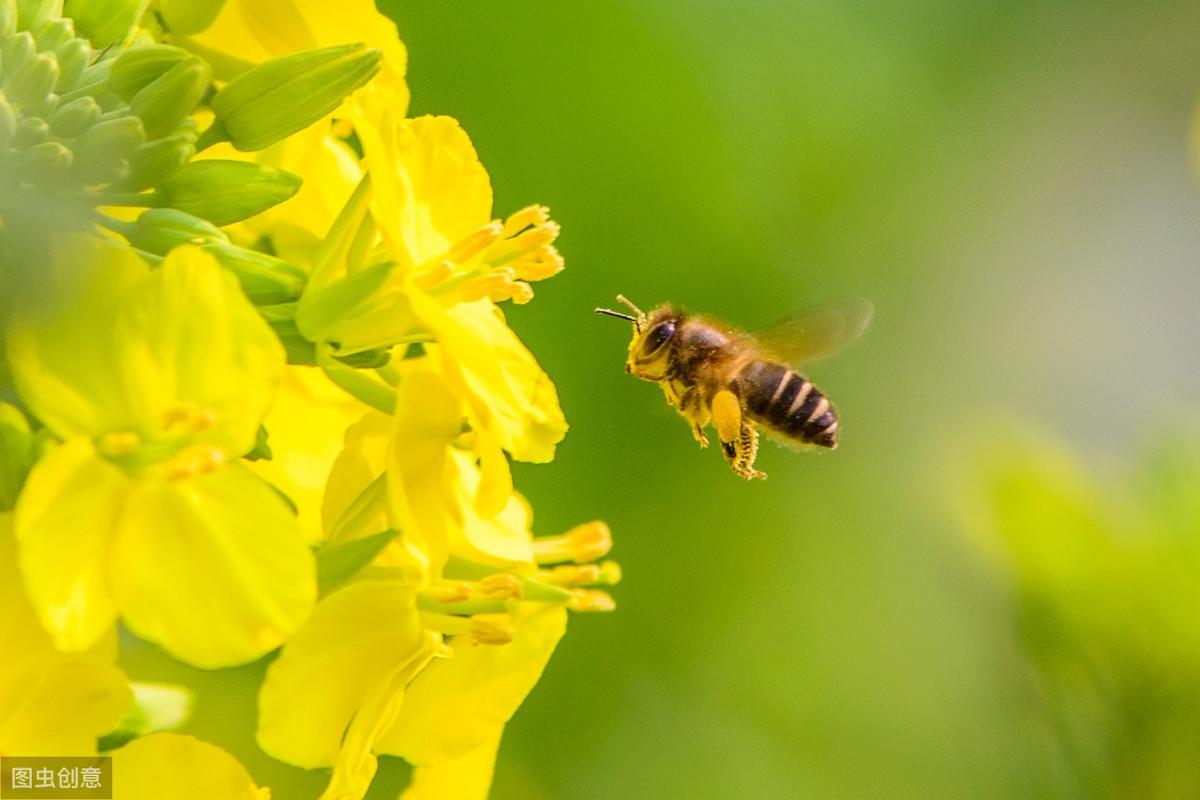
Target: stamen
591	600
193	462
188	419
491	629
118	443
449	592
475	243
539	265
581	544
520	220
434	274
500	588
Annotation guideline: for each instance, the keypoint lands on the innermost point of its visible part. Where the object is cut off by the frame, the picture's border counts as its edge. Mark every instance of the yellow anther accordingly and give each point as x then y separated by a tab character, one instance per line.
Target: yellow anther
449	592
118	443
499	284
500	588
538	265
581	544
342	128
606	573
491	629
434	274
520	220
541	236
194	461
571	575
610	573
589	600
589	541
474	243
188	419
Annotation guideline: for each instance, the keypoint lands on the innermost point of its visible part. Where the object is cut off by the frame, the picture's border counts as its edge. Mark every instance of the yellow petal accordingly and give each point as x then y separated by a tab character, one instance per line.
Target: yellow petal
460	703
468	777
344	513
502	539
50	702
356	764
508	393
422	479
60	342
65	521
189	337
213	568
182	768
357	640
428	188
125	349
306	426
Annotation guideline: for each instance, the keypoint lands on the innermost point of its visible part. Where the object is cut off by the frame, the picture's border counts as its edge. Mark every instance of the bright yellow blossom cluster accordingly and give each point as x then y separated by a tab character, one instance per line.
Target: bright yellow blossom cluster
257	396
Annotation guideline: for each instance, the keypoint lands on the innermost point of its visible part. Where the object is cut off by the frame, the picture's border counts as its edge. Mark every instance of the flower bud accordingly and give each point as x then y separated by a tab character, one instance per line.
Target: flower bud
188	17
101	152
137	67
94	78
161	229
72	119
265	279
284	95
155	161
31	87
170	97
224	192
72	61
44	162
16	51
105	22
30	131
8	17
8	122
54	34
32	14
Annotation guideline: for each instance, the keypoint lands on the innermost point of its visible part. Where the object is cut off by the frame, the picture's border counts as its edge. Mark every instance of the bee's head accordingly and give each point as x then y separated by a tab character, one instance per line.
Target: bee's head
649	350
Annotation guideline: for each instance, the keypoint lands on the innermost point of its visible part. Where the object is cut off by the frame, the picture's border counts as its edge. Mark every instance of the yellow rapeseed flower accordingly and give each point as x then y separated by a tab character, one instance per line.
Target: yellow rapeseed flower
156	382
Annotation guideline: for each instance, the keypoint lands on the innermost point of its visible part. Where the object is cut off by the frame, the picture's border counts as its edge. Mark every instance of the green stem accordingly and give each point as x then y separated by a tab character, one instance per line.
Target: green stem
213	134
128	199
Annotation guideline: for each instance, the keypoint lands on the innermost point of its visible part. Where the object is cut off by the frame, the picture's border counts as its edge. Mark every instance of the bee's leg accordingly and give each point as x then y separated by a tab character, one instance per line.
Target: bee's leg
739	437
670	393
692	408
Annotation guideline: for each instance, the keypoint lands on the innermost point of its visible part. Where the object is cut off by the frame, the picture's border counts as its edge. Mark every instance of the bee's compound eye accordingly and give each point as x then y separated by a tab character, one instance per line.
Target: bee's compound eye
658	336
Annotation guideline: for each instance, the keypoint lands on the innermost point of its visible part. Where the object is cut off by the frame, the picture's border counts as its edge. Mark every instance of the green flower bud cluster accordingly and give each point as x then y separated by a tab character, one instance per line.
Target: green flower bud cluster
95	114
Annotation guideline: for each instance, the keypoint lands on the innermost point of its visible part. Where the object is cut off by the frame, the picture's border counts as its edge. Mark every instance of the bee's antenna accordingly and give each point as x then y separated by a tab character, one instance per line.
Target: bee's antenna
623	300
617	314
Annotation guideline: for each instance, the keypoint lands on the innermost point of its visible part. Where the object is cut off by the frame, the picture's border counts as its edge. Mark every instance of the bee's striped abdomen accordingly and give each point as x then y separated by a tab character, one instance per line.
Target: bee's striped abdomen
788	403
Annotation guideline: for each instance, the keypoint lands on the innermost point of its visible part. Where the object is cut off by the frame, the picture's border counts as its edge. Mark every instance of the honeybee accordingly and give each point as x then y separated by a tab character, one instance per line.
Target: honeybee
711	372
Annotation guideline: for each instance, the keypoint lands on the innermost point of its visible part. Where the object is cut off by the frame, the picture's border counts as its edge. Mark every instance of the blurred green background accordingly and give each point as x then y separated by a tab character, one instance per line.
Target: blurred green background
1010	183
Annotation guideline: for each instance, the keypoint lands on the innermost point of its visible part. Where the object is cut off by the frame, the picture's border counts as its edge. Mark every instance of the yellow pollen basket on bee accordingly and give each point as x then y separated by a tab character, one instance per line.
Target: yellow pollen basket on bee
712	373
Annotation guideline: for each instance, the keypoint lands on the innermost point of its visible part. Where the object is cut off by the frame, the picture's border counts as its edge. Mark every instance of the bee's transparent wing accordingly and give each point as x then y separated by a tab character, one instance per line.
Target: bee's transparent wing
817	332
